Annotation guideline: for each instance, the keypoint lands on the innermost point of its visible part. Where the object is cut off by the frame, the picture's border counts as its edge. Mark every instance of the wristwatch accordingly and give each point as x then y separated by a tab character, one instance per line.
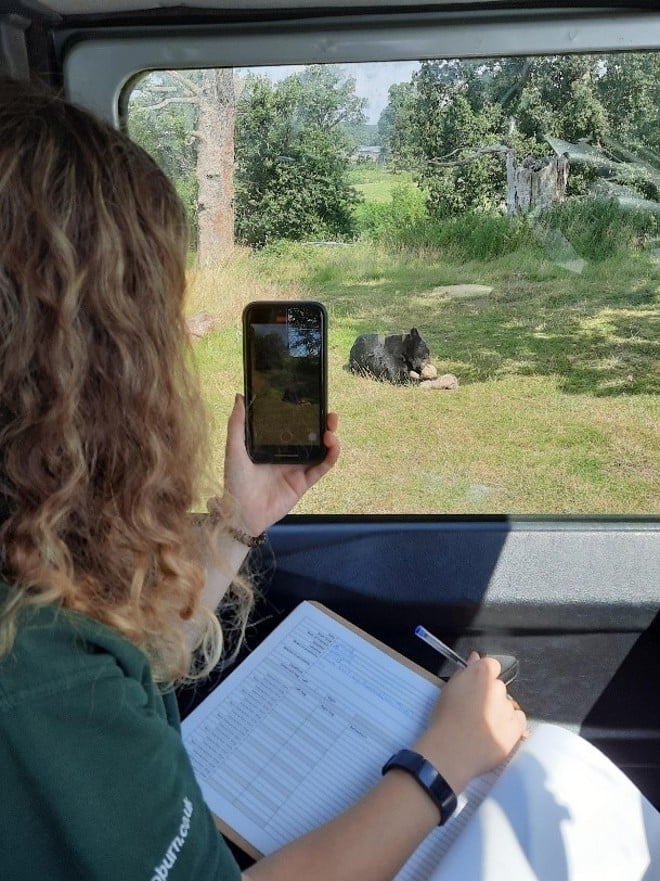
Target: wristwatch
428	777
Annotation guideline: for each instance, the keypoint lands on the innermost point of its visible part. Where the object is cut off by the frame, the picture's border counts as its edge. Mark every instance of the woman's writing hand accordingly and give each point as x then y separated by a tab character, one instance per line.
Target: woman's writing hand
256	496
474	725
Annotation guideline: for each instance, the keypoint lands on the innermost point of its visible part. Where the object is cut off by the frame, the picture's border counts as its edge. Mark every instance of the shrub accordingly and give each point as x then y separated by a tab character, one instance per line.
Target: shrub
596	229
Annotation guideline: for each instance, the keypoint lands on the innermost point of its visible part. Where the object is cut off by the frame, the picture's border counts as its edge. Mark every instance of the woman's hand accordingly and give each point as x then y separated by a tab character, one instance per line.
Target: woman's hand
256	496
474	726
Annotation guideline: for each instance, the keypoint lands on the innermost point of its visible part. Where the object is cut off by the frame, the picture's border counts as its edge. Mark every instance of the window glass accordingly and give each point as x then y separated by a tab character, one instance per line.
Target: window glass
506	209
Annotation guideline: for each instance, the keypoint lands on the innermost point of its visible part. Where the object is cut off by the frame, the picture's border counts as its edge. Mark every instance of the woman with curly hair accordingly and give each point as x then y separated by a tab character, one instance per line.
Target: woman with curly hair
108	586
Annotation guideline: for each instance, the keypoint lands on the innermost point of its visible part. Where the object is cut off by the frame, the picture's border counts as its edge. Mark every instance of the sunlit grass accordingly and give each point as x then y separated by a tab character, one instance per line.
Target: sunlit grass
223	290
557	411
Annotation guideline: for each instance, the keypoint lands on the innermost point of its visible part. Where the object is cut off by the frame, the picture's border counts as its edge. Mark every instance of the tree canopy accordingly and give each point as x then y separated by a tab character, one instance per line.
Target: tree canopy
162	118
294	138
292	153
452	108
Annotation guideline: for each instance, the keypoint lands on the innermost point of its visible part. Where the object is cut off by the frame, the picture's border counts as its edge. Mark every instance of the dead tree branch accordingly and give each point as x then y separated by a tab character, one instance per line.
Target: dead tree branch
166	101
446	162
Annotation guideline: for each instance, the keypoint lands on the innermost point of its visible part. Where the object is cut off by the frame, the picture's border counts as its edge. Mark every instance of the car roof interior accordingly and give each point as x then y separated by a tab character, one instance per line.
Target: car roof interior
575	599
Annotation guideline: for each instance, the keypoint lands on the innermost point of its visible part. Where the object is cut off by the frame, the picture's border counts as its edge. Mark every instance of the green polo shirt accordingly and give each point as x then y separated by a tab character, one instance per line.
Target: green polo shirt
95	783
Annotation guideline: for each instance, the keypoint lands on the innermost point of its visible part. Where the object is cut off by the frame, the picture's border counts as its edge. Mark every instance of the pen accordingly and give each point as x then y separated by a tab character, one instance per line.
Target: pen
439	646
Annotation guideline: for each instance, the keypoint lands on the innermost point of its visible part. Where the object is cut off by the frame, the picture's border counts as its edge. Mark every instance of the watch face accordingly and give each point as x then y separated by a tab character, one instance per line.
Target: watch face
428	775
445	797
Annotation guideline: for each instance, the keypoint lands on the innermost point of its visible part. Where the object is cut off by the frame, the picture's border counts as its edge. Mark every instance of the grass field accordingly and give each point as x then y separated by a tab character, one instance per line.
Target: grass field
374	184
558	407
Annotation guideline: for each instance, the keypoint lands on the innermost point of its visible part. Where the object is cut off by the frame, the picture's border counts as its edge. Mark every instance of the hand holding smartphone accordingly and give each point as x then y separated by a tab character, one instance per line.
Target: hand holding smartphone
285	372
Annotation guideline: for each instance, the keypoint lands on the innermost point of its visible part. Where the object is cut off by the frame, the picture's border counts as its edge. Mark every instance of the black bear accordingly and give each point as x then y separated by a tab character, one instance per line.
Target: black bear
389	357
292	396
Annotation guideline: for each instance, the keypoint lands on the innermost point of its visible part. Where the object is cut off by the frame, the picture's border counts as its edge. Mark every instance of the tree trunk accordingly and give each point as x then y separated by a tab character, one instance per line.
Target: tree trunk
511	184
541	183
215	166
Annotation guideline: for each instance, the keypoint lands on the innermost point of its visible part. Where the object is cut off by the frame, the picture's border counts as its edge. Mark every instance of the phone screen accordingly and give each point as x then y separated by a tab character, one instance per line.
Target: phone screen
285	381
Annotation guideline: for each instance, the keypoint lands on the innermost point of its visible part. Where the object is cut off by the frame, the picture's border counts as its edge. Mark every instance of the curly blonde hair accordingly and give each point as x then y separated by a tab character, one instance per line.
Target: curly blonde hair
102	430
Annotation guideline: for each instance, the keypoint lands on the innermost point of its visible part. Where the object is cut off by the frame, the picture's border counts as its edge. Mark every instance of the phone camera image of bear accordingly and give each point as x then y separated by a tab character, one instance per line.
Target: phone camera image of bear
389	357
292	396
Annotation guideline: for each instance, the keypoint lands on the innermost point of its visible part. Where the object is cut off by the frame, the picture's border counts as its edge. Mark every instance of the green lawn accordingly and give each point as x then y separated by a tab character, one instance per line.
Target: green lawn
558	408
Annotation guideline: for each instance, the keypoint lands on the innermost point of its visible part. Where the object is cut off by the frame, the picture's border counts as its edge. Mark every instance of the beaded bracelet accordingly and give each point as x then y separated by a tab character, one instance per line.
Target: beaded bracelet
250	541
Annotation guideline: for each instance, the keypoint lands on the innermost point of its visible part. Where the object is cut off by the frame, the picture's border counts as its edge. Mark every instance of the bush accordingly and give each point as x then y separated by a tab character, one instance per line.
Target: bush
596	229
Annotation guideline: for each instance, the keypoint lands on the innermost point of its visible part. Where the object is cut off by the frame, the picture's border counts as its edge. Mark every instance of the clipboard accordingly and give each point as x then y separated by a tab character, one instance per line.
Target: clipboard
226	828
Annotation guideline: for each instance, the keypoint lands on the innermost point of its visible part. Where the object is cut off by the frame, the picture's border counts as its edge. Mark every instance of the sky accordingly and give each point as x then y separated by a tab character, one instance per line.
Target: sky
372	80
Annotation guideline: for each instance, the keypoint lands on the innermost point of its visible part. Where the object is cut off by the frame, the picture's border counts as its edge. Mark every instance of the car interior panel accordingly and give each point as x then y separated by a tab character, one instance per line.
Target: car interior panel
575	598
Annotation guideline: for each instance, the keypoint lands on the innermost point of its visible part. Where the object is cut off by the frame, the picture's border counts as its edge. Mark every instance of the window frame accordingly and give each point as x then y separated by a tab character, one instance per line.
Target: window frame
99	65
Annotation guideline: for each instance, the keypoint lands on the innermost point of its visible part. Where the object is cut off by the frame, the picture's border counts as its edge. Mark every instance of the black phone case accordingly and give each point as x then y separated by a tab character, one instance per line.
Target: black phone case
283	453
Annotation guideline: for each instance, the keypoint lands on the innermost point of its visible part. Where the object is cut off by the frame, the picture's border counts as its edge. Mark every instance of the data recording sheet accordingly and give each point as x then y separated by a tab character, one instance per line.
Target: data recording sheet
301	729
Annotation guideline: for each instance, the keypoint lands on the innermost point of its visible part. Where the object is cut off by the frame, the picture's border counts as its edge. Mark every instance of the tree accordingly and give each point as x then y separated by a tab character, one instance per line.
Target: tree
394	126
631	84
162	119
452	112
185	120
363	134
292	156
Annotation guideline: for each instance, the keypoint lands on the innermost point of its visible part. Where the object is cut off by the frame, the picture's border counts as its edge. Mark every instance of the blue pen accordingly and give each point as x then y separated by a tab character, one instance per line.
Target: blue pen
439	646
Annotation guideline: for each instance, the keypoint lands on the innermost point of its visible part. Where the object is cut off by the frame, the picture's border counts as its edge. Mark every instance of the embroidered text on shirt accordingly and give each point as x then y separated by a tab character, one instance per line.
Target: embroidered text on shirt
163	869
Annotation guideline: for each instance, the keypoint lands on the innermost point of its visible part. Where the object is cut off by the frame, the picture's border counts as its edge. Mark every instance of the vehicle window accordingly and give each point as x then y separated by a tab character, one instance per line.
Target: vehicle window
507	209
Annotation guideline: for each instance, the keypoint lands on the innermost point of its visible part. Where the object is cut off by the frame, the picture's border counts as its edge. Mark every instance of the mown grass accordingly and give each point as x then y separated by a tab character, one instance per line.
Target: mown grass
558	407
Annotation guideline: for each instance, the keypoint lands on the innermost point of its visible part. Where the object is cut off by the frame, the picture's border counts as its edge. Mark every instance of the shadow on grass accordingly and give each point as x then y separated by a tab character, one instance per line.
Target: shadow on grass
597	332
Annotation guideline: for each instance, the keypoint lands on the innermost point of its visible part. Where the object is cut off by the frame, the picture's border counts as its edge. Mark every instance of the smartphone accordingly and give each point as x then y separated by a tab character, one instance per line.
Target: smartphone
285	369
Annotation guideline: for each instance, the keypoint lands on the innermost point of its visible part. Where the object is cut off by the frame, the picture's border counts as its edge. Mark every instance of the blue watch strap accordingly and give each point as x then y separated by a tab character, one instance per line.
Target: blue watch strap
428	777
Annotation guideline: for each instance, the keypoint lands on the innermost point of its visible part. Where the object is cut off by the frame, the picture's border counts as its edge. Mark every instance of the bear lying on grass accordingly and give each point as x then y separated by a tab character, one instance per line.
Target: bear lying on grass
389	357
